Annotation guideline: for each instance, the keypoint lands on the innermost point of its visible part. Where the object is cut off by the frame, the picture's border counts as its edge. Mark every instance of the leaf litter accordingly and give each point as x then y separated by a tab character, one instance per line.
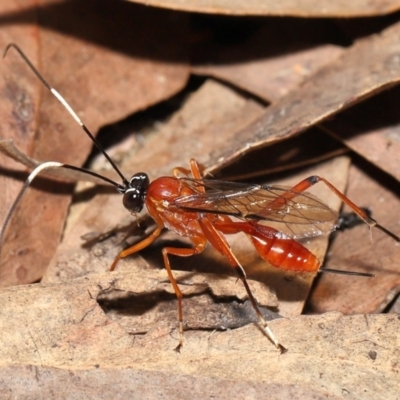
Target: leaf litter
81	336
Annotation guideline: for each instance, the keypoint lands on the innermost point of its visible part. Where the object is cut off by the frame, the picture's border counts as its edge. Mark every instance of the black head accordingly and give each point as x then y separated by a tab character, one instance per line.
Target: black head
135	192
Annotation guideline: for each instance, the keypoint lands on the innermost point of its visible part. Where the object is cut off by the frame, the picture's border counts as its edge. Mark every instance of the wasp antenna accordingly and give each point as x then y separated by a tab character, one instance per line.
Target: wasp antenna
67	107
341	272
34	174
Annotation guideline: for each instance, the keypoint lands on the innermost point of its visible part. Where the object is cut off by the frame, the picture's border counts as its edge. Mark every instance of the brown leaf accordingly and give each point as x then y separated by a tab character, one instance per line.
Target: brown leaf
368	67
298	8
81	51
285	72
269	69
372	130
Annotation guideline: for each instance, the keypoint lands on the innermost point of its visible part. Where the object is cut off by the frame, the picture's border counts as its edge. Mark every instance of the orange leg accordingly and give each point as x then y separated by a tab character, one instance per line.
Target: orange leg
137	247
302	187
219	243
312	180
195	169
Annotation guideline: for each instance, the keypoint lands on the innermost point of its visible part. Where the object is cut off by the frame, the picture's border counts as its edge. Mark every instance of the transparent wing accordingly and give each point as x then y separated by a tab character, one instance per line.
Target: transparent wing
302	214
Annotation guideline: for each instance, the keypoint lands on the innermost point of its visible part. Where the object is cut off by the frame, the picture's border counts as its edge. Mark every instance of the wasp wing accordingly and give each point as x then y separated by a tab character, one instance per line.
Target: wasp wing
302	214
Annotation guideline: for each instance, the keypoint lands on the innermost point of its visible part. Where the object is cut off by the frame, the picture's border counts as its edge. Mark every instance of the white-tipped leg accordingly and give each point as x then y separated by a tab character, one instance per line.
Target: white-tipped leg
271	336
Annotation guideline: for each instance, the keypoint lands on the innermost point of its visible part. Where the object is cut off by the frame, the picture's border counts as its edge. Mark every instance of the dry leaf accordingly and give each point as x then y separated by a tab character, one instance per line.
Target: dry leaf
372	129
62	326
298	8
370	66
271	70
365	251
261	64
132	383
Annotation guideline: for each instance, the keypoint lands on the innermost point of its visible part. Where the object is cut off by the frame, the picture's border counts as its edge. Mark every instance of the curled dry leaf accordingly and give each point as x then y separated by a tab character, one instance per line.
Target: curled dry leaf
370	66
372	129
298	8
271	71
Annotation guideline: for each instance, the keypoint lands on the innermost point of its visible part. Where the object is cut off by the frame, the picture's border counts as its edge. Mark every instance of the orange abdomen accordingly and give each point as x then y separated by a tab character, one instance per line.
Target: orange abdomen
286	254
